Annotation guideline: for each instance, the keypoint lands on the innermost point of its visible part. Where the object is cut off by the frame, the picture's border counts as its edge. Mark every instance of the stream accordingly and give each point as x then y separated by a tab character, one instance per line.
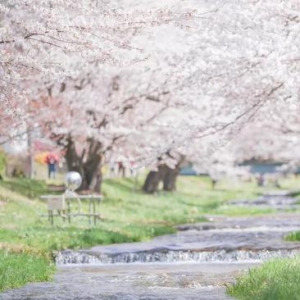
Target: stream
195	263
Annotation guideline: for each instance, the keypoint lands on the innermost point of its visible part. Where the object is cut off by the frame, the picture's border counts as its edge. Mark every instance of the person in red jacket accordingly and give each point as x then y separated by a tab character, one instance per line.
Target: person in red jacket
51	160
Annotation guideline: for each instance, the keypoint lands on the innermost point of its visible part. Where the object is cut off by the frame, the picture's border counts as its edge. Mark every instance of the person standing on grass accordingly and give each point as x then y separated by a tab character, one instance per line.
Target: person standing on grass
51	160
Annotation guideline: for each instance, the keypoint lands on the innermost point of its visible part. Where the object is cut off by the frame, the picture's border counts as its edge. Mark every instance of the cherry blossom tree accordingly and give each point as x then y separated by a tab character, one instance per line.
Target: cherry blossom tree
47	50
92	116
196	90
40	39
247	63
90	110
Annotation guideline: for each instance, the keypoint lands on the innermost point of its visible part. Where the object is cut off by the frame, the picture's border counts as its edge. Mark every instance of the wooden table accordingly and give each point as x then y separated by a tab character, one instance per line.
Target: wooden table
64	206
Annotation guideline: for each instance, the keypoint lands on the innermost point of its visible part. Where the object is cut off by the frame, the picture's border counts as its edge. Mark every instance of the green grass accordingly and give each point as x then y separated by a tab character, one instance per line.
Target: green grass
290	183
126	216
293	237
27	187
16	269
275	280
43	240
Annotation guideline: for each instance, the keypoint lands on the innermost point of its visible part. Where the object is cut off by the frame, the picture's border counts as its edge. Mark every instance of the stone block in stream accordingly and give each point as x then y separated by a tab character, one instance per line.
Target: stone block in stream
281	222
220	255
225	239
279	201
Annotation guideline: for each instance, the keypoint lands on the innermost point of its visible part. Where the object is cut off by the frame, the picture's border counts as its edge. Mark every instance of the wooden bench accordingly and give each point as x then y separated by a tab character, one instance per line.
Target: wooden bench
62	206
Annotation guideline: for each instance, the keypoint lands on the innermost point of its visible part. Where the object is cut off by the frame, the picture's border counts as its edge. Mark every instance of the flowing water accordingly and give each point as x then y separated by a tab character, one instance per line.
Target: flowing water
134	281
195	263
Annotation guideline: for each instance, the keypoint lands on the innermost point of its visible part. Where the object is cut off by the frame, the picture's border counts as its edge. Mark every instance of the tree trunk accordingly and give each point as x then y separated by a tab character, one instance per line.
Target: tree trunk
96	184
165	174
151	183
171	175
213	183
88	165
169	180
153	179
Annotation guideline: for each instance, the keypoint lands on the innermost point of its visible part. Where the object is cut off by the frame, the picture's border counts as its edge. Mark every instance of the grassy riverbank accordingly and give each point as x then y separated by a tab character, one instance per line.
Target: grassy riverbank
274	280
16	269
126	216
